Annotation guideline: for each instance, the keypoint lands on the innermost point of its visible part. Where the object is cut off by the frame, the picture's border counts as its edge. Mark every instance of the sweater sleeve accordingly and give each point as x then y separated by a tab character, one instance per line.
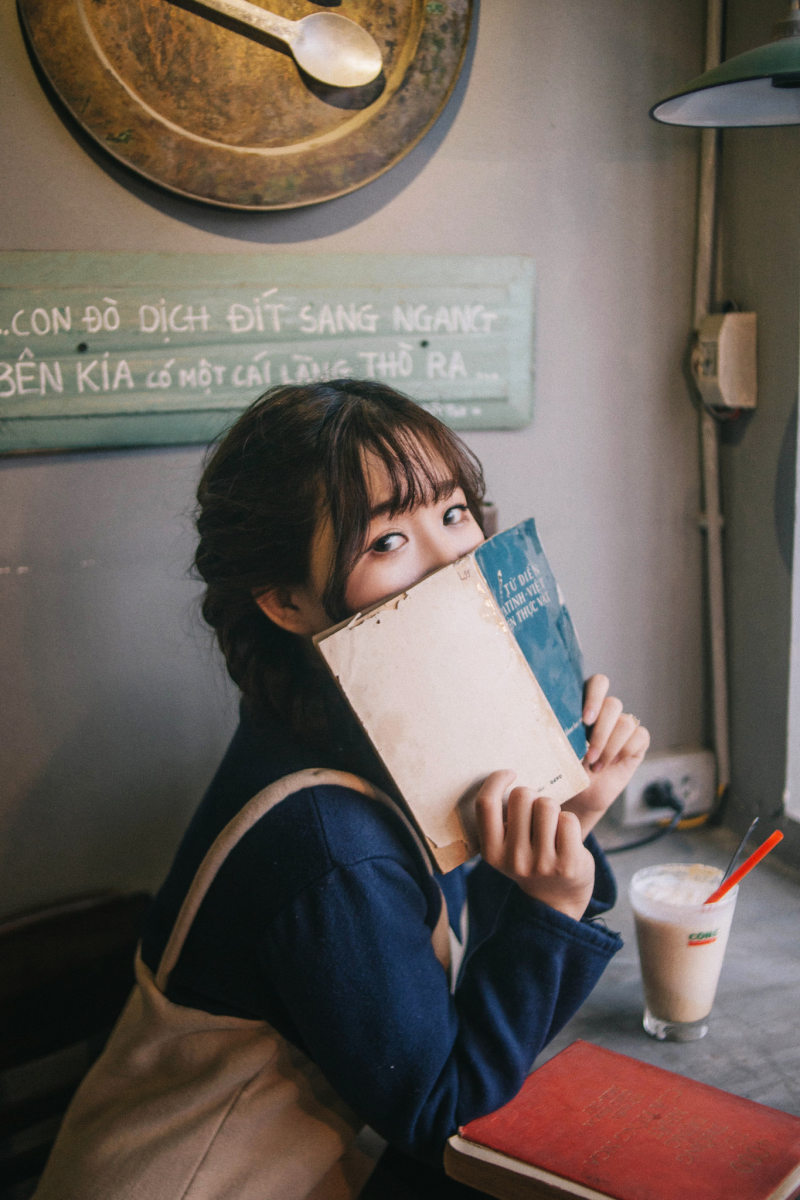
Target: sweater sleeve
352	959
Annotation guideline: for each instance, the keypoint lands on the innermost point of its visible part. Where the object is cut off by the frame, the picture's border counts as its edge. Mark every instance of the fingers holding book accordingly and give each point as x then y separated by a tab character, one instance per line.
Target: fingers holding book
617	744
536	843
609	728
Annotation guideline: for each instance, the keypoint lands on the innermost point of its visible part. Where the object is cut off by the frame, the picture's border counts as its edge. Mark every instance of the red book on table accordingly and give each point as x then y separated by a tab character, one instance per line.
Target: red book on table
596	1124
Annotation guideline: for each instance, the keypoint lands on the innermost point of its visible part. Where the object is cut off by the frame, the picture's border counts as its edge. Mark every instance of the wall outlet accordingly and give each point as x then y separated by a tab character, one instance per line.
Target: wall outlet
690	772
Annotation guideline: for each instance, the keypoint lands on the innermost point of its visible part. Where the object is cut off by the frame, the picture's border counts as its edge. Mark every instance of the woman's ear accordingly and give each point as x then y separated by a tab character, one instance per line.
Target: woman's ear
292	609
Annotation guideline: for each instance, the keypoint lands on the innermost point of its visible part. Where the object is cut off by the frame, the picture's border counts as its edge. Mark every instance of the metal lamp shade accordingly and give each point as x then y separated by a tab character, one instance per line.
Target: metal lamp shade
759	87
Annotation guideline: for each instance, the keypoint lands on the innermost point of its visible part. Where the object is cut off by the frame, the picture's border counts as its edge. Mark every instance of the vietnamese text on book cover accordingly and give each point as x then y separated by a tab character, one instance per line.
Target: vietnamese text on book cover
597	1124
474	669
519	577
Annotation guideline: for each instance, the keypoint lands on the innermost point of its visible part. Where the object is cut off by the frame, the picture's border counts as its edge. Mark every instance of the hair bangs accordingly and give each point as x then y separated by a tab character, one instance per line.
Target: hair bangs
423	459
417	472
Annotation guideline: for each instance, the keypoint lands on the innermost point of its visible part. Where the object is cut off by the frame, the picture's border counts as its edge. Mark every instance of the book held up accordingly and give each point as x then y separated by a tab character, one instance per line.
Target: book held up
595	1124
475	668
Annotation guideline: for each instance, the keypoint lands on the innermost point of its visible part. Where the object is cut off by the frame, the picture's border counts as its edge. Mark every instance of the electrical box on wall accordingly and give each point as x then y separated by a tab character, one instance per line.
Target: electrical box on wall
687	773
724	360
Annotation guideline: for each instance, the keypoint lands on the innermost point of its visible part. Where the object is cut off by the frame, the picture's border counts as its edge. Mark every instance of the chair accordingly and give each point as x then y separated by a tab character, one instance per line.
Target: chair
65	972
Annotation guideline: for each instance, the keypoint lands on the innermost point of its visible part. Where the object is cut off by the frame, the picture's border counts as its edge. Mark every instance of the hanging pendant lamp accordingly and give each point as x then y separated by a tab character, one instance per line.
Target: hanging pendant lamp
759	87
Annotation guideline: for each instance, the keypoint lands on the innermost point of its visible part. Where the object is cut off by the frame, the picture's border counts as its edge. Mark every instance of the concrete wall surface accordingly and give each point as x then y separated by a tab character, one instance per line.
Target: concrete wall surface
115	707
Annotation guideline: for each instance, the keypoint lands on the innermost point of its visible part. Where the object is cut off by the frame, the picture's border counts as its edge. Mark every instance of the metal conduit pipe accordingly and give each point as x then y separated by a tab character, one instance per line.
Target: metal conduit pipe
711	520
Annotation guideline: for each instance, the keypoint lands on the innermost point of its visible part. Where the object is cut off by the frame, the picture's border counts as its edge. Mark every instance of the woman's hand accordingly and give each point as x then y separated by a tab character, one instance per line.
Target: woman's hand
536	843
617	745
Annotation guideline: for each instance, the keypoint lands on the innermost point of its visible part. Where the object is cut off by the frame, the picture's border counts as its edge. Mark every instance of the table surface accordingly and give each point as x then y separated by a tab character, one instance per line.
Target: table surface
753	1044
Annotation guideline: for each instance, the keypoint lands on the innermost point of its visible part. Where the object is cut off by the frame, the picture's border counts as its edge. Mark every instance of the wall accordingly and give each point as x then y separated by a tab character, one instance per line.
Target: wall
115	709
759	224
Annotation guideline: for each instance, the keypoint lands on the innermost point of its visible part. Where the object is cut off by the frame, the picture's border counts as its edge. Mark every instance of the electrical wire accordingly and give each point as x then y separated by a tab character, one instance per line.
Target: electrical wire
661	795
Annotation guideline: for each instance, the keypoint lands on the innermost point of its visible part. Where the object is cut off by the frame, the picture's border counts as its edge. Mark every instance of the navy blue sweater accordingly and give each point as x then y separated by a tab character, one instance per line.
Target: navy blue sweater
320	922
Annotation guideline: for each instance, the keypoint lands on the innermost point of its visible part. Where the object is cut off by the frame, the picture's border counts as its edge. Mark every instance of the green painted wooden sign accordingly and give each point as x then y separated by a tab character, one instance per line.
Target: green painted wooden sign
158	349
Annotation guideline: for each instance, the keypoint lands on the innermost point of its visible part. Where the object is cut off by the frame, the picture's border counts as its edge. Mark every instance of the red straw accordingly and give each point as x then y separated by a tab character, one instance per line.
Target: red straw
746	866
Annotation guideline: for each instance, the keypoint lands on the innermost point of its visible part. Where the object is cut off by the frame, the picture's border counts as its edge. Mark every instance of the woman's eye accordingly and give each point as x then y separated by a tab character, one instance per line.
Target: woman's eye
387	543
455	513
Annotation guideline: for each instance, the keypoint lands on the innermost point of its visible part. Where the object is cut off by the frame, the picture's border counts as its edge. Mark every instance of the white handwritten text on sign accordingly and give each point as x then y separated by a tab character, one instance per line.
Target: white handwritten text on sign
174	345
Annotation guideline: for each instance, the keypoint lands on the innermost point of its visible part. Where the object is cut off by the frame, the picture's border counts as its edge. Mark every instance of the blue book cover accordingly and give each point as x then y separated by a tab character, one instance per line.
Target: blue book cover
519	577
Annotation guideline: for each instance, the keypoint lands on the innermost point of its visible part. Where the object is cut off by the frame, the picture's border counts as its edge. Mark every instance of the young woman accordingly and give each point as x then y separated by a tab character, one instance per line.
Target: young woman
323	920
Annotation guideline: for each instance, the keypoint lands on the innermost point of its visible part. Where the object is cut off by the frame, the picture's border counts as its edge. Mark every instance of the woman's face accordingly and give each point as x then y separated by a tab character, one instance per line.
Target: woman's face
399	549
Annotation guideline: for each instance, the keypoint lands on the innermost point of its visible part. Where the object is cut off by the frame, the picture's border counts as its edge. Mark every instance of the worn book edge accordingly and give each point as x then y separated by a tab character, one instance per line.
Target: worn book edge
508	1178
521	1181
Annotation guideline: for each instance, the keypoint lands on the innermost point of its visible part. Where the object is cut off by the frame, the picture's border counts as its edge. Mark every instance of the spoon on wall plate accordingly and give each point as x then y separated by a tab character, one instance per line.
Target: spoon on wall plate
327	46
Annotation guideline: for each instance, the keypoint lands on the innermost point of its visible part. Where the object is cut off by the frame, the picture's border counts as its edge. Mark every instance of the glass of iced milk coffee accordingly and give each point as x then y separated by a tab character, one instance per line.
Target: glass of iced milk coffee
681	946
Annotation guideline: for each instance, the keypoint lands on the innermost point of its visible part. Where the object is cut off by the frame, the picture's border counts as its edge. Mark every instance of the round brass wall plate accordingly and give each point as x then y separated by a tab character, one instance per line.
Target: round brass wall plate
222	114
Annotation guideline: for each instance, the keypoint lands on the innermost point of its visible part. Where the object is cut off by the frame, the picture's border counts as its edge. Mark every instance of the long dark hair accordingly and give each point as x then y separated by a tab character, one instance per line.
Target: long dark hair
293	457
